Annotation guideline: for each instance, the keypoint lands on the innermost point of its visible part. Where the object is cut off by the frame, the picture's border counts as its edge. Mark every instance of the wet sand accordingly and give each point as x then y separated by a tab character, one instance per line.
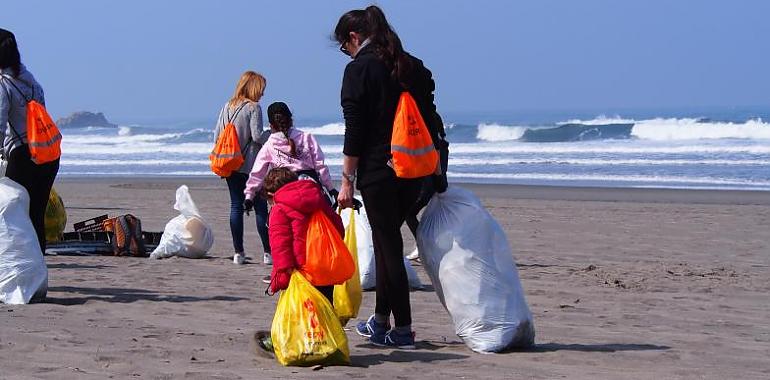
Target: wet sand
622	283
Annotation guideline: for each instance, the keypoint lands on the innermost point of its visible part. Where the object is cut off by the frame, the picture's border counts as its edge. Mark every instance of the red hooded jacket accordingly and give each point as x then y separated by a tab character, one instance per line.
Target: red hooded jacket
294	204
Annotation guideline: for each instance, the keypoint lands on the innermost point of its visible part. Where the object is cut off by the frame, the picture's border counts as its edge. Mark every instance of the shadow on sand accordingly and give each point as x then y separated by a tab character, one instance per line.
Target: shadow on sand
77	266
605	347
124	295
397	356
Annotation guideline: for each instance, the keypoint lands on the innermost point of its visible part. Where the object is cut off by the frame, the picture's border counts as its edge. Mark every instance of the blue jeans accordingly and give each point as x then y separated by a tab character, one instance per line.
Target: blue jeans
236	183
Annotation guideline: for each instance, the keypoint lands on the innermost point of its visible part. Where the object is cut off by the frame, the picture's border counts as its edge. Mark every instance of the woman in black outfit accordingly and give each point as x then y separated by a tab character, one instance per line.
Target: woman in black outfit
372	84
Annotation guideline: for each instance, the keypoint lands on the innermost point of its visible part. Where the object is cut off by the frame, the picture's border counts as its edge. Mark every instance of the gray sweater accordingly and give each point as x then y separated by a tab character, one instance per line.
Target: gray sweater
248	125
13	107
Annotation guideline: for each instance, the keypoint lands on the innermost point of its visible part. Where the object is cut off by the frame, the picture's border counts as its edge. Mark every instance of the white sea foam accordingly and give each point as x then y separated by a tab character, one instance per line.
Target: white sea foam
497	132
136	162
599	120
662	129
191	173
332	129
692	129
737	182
601	162
97	150
627	147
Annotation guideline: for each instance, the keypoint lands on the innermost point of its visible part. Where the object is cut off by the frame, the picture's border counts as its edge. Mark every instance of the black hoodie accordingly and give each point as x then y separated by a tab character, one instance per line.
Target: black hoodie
369	99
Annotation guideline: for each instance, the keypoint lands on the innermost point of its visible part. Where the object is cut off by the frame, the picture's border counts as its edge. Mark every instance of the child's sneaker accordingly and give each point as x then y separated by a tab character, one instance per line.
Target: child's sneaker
267	258
394	339
371	328
414	255
239	258
267	279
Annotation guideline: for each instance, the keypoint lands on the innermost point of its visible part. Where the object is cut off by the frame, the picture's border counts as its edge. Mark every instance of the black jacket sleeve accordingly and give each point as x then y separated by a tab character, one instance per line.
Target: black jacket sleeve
354	108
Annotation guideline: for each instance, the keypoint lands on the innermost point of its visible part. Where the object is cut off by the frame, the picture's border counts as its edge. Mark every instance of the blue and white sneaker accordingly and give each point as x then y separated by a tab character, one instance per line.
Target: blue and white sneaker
394	339
371	327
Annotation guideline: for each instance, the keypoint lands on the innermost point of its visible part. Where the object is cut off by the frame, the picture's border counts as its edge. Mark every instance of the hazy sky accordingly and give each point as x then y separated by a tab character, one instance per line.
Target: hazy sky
148	59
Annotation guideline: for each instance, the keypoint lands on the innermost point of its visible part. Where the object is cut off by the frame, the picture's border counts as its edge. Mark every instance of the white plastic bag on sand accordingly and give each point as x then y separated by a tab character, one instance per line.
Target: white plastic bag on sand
366	267
187	235
473	272
23	273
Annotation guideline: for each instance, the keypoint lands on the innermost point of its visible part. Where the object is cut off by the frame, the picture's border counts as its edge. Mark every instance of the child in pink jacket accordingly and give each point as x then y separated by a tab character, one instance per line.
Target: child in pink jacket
287	147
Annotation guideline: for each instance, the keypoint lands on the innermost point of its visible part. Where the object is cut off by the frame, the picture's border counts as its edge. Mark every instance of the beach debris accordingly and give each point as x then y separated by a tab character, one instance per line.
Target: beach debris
474	275
186	235
23	273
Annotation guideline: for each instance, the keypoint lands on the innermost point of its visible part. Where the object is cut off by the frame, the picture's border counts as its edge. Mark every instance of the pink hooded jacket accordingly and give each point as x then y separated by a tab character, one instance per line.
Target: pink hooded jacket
275	153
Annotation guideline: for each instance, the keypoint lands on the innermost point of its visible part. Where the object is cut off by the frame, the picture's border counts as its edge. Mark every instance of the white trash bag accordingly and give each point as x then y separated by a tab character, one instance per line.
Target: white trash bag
366	267
23	274
472	269
187	235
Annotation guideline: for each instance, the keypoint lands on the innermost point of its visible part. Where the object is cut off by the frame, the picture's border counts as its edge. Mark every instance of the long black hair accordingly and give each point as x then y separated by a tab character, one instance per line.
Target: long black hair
279	116
371	23
9	52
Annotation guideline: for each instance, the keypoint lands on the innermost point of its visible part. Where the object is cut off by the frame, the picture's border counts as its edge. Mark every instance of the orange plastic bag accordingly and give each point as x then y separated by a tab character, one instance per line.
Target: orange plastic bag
42	134
411	145
327	259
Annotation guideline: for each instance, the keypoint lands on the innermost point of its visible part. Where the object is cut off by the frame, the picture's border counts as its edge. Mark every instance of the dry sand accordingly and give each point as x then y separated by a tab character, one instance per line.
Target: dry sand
640	284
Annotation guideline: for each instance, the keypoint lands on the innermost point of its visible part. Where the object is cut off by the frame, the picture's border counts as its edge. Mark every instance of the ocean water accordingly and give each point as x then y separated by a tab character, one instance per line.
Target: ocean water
706	150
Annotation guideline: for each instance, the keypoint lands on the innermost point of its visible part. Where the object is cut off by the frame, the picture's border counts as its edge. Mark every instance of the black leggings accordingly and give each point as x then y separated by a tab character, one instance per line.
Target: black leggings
387	204
38	180
328	292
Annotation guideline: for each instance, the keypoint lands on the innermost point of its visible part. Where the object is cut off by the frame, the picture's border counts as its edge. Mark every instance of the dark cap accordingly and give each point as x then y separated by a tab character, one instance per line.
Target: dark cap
277	108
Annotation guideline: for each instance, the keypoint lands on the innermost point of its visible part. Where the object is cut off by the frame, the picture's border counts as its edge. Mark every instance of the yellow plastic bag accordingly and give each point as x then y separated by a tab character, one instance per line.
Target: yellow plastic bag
55	217
305	329
347	296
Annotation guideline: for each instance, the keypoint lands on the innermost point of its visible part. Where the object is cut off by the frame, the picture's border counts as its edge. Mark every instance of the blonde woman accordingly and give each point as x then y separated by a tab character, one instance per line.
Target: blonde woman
244	111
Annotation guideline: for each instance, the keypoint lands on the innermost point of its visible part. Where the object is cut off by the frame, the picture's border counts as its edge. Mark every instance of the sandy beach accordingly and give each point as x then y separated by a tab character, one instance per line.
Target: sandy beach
622	283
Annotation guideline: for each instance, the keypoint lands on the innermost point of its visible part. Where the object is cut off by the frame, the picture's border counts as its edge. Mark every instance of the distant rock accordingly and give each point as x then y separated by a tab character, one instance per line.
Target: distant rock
84	119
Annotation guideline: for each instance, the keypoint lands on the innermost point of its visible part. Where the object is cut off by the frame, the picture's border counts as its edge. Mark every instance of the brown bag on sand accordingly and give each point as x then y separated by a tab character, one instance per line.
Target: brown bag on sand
127	237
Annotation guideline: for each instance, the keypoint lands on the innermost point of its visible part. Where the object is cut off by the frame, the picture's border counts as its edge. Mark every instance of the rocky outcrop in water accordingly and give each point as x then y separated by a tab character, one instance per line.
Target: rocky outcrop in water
84	119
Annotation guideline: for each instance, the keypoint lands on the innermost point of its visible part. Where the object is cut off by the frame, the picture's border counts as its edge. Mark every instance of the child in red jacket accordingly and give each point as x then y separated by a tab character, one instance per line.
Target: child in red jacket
293	202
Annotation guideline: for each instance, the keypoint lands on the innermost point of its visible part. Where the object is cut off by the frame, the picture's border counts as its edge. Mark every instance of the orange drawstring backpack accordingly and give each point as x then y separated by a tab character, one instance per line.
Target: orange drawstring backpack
327	259
43	137
227	156
411	145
